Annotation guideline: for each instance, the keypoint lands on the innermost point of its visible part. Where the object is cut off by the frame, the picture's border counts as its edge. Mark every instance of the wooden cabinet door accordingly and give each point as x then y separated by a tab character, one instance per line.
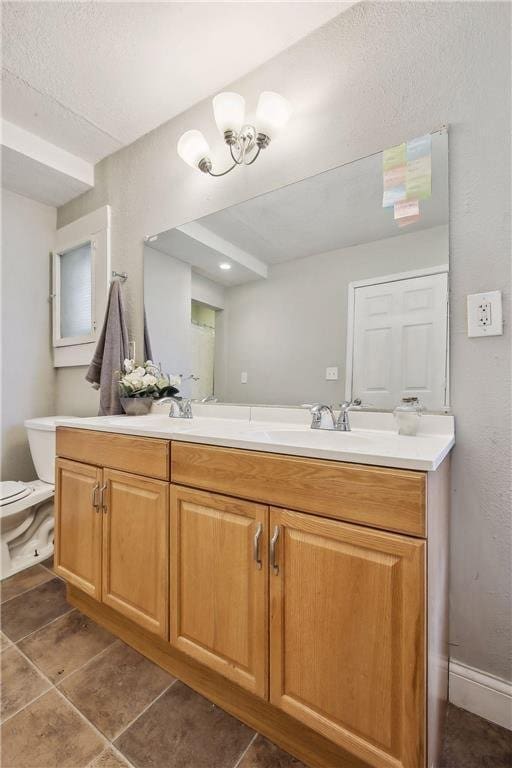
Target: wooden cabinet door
135	549
219	590
78	525
347	645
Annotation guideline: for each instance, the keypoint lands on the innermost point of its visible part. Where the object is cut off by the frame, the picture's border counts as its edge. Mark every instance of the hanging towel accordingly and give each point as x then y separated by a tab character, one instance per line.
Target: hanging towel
111	351
148	354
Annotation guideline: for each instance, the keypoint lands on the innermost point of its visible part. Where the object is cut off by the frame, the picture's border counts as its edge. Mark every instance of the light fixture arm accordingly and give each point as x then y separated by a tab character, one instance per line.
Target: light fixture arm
240	146
205	166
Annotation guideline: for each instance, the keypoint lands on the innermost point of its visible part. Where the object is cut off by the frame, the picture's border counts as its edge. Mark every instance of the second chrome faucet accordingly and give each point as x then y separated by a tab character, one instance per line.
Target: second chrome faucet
323	416
181	408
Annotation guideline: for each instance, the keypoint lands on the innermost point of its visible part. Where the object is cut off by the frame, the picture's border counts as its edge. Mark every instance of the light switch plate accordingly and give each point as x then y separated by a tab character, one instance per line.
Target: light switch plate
331	374
485	315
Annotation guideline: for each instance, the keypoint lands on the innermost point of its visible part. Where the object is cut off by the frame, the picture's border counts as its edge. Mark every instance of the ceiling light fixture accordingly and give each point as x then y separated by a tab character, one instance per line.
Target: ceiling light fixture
245	141
224	265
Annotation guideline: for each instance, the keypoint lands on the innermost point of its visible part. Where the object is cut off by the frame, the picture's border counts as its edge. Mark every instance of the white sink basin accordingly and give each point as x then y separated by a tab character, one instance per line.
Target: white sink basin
236	429
153	421
318	438
220	428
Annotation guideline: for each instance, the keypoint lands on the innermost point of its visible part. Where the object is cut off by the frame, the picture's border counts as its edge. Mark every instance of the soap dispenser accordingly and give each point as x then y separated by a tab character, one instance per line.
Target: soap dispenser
407	415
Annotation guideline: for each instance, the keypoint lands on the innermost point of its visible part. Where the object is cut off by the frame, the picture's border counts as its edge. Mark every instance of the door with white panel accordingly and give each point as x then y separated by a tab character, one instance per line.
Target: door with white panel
399	344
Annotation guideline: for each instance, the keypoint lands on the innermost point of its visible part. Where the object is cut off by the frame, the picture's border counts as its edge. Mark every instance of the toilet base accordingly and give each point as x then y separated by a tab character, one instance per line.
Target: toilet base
22	562
30	543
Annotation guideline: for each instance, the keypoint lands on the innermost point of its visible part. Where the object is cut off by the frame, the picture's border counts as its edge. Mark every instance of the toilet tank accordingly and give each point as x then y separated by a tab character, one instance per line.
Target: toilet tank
41	439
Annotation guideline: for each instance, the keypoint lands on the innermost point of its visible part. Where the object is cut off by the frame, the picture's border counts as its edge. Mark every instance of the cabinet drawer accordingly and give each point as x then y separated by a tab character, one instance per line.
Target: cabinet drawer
140	455
392	499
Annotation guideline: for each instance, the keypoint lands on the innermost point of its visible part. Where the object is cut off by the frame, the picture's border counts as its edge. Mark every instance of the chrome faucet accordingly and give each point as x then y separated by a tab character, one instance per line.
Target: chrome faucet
323	416
180	408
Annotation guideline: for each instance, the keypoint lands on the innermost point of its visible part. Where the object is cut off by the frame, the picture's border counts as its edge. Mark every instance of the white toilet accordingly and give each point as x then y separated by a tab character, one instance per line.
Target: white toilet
26	509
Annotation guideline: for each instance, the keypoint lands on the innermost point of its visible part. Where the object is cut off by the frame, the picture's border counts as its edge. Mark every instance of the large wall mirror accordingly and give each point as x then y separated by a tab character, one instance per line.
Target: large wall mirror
334	287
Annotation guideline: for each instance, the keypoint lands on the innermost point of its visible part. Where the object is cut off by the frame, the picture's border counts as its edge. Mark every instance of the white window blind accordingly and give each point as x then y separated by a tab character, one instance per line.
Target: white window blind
76	317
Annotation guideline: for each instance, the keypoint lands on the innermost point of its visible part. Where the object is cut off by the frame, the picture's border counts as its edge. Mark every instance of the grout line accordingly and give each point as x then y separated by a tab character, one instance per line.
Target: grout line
59	693
47	690
27	590
121	754
246	750
125	728
53	687
116	752
78	669
89	661
41	674
84	718
71	609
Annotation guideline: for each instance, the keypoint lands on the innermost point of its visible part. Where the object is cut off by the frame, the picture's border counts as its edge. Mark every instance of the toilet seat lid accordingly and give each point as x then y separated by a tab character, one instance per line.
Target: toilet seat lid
13	490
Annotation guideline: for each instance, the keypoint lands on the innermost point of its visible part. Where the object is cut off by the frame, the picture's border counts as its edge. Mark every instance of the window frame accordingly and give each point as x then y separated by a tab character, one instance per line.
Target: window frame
94	228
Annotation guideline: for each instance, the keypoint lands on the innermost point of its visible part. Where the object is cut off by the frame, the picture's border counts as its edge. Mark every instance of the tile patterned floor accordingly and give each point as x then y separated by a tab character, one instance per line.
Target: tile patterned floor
73	696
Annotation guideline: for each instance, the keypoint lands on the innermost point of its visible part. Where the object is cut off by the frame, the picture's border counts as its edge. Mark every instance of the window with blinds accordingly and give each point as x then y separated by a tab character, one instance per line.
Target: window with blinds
80	279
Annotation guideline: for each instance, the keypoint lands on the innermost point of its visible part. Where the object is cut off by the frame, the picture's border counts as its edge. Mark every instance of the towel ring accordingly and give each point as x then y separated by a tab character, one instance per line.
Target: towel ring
121	275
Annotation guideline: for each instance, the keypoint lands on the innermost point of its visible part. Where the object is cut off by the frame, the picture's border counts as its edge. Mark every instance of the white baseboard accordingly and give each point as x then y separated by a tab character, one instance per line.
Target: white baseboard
484	695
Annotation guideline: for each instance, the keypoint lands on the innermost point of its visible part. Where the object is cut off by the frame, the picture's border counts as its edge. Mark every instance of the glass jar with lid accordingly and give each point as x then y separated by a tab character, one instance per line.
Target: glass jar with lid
407	415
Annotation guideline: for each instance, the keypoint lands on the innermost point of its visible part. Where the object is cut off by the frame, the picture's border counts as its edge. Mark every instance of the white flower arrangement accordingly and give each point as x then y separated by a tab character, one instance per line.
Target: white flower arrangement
147	380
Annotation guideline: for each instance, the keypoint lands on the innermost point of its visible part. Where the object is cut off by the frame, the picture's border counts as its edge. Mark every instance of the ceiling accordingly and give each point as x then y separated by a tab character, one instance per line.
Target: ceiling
91	77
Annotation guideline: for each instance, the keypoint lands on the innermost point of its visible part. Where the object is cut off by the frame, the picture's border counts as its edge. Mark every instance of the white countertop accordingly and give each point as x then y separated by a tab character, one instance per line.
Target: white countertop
372	440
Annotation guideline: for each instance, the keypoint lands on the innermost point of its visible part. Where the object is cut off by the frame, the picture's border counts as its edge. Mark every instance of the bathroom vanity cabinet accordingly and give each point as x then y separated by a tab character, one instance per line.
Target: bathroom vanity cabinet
306	597
111	531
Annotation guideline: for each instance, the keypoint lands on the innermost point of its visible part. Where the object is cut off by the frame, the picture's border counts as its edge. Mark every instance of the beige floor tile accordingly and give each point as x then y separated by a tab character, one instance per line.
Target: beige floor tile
22	581
113	689
20	682
34	609
49	734
184	730
66	644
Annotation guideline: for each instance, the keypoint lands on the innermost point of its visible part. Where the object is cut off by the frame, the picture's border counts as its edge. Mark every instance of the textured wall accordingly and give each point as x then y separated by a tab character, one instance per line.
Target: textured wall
28	377
375	75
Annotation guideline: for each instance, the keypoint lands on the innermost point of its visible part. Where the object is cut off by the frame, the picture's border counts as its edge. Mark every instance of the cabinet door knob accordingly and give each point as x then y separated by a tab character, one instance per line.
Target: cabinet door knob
256	545
273	542
94	497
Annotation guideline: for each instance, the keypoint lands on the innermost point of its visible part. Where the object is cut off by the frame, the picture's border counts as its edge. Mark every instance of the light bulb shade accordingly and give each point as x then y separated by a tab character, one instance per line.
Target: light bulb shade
229	111
272	114
192	147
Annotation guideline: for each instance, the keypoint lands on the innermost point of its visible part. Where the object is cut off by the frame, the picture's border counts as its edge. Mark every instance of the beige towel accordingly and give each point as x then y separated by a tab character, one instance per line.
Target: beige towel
111	351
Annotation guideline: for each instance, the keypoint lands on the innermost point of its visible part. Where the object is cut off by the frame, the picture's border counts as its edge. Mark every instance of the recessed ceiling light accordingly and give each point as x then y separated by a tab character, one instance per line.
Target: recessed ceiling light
225	265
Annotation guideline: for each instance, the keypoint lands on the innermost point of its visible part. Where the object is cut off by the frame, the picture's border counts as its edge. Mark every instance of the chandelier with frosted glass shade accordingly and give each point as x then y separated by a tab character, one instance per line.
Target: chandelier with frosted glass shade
244	141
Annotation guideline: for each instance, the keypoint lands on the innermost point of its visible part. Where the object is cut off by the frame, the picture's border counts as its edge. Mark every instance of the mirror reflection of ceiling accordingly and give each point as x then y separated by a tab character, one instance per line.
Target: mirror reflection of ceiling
333	210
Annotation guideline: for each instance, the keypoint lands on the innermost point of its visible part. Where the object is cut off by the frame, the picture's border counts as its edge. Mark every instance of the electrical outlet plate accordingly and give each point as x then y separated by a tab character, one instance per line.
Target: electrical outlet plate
243	377
331	374
485	316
